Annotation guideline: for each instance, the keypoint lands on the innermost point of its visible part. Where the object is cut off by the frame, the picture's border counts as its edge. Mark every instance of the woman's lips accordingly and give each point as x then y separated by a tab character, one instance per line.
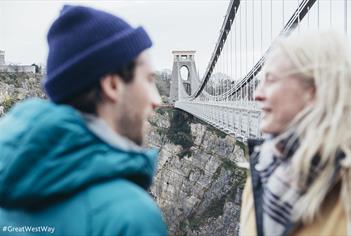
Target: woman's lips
266	109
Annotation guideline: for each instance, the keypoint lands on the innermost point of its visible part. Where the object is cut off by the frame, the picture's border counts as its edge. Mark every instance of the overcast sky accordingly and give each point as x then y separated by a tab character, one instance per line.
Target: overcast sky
172	24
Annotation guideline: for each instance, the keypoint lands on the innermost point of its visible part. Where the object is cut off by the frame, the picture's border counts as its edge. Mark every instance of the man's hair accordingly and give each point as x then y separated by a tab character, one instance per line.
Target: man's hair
89	100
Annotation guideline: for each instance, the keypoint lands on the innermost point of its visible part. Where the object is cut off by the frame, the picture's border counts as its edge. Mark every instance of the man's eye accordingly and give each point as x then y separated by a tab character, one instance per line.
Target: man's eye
151	79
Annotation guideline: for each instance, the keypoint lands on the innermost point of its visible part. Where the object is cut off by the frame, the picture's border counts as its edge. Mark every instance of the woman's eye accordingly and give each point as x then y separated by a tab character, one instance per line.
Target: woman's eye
269	78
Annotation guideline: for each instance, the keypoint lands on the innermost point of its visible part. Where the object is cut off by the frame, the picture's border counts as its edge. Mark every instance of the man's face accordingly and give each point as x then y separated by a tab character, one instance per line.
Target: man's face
282	95
137	100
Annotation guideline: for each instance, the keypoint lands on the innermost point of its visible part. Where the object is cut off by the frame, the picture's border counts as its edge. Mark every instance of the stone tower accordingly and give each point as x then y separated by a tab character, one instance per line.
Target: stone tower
183	87
2	57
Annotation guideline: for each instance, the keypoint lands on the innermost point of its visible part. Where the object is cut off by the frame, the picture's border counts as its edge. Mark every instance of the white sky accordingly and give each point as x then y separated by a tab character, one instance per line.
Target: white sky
172	24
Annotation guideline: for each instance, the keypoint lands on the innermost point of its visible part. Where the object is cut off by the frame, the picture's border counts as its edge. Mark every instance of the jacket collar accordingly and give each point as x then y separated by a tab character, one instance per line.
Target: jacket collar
100	128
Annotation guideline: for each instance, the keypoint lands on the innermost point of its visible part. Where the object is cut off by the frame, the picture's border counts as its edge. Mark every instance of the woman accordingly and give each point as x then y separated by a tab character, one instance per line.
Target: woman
300	180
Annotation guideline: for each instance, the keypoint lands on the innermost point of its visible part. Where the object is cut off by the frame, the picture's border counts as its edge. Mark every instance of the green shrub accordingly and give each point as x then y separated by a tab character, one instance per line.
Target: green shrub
244	147
214	210
179	131
160	111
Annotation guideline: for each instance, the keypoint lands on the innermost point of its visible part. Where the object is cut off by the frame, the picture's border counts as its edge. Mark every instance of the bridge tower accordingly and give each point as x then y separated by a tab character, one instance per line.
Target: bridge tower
184	75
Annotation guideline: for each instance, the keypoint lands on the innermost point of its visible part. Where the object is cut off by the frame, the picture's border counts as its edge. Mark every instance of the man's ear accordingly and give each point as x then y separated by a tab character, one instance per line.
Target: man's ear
110	86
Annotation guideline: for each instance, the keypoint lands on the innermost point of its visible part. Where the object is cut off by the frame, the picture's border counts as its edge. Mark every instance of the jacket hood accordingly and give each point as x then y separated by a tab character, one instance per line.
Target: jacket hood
47	152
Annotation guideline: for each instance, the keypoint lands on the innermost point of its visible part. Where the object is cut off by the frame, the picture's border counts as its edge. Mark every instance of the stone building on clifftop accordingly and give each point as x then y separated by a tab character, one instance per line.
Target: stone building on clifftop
12	67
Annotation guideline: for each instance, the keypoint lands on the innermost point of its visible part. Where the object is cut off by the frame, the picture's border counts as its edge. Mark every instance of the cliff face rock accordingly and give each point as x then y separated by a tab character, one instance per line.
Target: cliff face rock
18	86
198	185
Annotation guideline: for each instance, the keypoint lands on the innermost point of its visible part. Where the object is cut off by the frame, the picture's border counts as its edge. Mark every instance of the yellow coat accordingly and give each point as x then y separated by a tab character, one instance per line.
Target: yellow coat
332	220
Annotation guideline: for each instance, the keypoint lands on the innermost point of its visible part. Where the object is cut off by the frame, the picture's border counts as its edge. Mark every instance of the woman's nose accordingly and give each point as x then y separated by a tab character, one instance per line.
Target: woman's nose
259	93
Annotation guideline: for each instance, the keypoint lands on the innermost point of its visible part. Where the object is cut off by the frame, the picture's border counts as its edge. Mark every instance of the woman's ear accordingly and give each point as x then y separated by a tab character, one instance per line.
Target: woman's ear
110	86
310	95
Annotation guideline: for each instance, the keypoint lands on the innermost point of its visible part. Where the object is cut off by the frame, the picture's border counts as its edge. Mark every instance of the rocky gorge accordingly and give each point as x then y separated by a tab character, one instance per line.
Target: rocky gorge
198	185
15	87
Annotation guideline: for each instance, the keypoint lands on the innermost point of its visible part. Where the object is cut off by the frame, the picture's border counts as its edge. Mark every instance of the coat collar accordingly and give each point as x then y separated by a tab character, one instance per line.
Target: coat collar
100	128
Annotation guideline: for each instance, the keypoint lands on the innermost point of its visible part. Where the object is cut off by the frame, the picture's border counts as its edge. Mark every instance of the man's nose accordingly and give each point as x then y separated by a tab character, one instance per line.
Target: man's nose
155	99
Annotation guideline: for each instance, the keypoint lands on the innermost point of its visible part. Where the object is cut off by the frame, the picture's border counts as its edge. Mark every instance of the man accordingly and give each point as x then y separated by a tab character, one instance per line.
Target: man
74	165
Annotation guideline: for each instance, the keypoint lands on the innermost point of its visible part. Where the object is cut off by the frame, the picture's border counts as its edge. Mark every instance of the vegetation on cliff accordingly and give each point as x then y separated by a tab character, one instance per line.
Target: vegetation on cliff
15	87
179	131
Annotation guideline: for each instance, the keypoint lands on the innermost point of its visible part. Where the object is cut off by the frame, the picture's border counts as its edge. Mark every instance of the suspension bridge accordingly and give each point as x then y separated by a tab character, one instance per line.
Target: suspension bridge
224	96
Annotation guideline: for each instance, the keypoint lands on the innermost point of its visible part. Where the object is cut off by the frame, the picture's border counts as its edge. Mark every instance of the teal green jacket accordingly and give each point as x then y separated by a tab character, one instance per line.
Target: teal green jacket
55	172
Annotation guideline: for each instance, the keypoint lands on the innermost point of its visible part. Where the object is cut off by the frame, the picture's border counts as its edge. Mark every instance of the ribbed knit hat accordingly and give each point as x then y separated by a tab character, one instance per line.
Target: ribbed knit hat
86	44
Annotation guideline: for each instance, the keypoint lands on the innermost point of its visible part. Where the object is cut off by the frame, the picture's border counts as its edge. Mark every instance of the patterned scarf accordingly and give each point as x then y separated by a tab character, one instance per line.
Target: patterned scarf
280	193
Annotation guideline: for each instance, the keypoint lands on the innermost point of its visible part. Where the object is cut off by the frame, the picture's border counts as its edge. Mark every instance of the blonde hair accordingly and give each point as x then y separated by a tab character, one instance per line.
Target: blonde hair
324	128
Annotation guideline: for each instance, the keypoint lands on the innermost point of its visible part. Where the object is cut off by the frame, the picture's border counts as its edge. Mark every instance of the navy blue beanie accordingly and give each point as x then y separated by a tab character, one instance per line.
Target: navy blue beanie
84	45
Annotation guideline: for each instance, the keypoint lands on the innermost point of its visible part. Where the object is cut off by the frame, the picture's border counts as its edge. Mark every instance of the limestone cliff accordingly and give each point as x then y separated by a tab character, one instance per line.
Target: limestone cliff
198	185
18	86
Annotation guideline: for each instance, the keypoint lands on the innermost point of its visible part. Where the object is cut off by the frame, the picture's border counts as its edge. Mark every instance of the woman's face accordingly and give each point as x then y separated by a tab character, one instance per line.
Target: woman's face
282	94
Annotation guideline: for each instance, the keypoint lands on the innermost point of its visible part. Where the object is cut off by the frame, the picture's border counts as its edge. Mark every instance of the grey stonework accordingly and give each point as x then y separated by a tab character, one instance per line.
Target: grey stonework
183	59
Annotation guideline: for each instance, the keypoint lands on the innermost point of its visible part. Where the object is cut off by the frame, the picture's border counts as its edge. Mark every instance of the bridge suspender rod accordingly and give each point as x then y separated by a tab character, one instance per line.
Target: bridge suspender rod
227	71
246	57
253	34
240	46
231	60
228	81
223	71
235	55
